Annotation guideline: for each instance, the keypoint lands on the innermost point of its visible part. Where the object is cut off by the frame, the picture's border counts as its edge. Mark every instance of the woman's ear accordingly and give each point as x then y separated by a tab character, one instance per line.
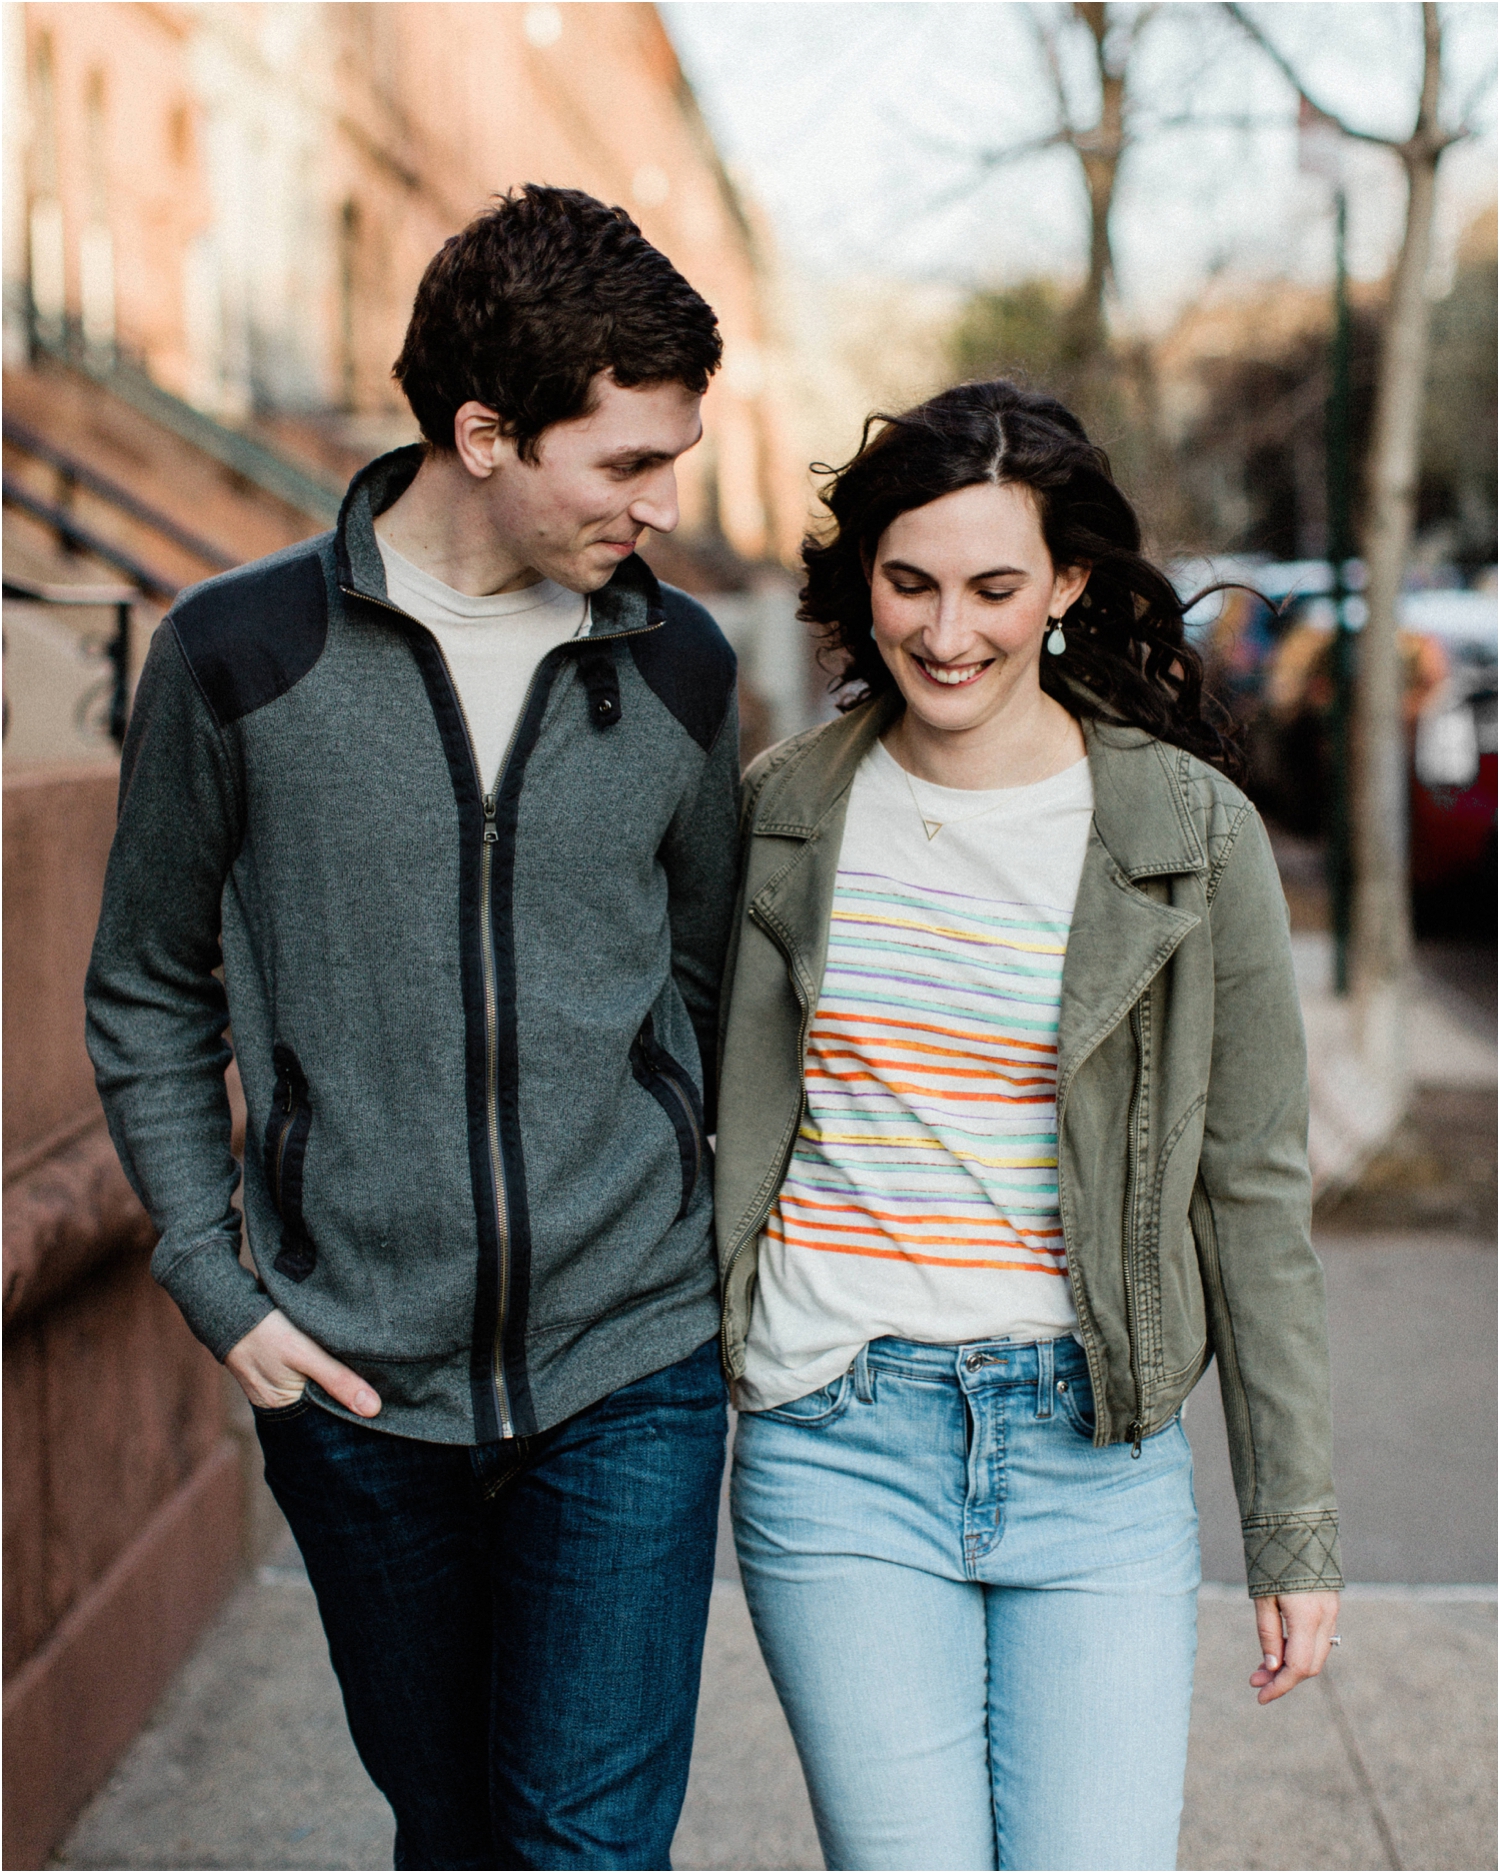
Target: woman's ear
1068	587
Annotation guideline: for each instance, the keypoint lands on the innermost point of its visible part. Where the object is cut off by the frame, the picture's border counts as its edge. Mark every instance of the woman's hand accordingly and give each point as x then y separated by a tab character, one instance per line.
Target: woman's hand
1310	1621
275	1360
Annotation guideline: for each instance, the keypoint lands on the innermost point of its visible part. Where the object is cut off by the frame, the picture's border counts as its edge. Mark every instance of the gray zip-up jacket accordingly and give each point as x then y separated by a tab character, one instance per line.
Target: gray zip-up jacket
474	1016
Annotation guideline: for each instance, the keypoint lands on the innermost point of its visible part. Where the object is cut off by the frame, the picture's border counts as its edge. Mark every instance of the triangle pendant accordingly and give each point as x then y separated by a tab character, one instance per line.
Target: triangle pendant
932	827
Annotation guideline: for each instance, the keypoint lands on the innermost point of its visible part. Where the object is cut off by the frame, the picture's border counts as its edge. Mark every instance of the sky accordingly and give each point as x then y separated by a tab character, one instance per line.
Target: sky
859	126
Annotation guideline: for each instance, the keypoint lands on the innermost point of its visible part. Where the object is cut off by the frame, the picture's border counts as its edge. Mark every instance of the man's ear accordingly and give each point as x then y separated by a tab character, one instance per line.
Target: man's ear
477	439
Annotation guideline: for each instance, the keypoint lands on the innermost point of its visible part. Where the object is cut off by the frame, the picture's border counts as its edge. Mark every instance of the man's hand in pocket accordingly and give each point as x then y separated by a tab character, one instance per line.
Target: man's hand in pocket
275	1360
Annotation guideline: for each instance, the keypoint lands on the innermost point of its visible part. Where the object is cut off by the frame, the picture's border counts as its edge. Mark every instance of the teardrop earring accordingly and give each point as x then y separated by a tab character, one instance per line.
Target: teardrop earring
1056	642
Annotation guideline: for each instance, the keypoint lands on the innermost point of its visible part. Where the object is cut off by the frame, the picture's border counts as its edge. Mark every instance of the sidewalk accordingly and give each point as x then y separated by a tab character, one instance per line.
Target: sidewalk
1385	1762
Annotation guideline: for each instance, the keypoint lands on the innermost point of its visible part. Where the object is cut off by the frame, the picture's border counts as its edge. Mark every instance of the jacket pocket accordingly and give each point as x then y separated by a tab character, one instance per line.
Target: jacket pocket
671	1086
287	1132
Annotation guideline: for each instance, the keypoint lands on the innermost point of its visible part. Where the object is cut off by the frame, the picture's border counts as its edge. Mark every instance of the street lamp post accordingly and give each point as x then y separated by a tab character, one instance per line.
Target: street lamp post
1340	841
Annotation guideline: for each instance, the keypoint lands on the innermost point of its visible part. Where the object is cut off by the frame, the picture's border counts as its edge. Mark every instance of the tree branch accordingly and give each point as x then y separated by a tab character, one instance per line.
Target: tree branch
997	159
1139	24
1473	101
985	158
1047	40
1432	67
1226	120
1288	71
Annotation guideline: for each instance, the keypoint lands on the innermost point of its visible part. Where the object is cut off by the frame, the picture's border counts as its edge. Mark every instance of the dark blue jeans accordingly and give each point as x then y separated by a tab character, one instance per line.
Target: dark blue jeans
518	1627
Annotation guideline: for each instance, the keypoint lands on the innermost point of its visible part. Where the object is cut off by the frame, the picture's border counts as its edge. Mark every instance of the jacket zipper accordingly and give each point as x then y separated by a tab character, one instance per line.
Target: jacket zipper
491	838
492	1099
491	1015
1080	1305
1136	1429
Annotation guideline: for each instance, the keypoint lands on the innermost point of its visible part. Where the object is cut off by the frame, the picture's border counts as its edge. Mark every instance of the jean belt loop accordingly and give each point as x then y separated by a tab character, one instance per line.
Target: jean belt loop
1044	1370
864	1383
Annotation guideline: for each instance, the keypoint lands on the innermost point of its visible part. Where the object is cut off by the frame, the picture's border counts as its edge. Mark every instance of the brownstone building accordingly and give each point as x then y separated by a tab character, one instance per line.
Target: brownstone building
241	197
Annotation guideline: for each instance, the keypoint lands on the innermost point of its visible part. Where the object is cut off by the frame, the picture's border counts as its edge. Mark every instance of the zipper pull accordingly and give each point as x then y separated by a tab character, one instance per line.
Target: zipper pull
491	836
1133	1431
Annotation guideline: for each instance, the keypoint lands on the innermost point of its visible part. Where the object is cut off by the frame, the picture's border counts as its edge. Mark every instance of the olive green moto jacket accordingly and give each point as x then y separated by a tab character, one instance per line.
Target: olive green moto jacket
1181	1104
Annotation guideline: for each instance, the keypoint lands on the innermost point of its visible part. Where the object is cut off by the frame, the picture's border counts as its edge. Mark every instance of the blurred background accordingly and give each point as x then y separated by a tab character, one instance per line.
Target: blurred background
1254	247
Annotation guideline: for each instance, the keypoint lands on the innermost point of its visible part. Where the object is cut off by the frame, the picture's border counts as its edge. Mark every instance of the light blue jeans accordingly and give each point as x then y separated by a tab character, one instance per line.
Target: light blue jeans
981	1628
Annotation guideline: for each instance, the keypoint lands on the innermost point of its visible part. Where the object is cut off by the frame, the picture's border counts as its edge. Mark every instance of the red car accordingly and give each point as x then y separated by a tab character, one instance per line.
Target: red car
1453	792
1277	676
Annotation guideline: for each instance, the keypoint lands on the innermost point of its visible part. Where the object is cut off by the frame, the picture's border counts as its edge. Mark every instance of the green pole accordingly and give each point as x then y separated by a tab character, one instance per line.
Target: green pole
1340	845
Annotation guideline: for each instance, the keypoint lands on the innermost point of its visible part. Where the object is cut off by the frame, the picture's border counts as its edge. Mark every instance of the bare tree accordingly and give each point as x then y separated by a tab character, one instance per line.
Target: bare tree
1098	137
1380	946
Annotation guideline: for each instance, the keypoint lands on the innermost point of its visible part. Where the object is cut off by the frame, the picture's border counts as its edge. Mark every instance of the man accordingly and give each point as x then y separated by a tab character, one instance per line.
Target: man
451	793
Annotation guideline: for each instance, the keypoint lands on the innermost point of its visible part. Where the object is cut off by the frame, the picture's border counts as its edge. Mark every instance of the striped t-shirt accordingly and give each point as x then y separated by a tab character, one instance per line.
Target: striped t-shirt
921	1198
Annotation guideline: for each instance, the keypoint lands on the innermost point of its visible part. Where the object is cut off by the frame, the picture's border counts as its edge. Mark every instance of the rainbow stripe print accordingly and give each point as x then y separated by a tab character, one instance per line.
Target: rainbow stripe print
930	1129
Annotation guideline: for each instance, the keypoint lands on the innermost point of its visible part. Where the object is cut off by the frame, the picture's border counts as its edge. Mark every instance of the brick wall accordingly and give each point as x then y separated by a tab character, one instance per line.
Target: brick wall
124	1490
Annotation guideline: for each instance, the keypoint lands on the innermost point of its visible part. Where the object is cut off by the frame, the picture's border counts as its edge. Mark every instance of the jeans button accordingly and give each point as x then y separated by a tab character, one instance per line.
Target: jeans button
1062	1385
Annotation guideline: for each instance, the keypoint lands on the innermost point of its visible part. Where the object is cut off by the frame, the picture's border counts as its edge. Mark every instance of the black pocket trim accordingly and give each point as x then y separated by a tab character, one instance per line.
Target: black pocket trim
671	1086
287	1132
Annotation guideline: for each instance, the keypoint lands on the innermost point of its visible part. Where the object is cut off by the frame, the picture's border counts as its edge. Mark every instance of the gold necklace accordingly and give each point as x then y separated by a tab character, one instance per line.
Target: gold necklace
932	827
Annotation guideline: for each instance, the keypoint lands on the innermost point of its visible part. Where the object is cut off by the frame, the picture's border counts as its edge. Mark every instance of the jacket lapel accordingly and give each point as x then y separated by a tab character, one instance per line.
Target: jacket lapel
1122	935
806	803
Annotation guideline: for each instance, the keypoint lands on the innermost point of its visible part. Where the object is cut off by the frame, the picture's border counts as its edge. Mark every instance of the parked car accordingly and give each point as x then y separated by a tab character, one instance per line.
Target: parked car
1271	663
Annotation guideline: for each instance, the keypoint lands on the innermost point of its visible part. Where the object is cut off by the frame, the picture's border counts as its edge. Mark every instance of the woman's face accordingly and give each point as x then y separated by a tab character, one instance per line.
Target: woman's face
961	591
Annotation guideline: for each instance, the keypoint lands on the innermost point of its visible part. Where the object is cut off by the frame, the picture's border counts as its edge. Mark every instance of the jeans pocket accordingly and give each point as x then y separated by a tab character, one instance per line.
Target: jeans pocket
278	1414
813	1408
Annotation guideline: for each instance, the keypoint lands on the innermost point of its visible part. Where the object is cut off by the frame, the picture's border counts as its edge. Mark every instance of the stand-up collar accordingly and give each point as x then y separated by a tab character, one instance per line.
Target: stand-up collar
631	601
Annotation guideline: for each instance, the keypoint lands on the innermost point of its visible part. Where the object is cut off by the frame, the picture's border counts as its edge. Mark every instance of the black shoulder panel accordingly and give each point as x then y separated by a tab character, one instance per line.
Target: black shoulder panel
689	664
250	634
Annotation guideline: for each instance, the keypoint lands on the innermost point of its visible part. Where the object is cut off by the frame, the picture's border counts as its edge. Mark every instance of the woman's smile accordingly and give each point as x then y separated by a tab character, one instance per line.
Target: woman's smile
950	675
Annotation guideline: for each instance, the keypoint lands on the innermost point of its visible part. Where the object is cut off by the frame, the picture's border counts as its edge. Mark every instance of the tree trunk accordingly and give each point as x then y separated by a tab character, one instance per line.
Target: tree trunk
1380	947
1099	151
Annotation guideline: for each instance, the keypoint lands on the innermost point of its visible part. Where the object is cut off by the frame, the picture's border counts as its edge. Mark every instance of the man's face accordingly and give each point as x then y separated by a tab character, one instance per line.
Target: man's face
599	482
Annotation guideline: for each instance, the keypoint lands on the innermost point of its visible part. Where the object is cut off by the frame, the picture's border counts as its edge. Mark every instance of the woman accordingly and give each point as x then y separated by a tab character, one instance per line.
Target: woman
1012	1141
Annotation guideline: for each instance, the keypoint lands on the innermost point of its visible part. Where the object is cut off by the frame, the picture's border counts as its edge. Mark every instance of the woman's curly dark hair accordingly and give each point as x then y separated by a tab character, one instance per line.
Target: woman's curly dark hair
1126	659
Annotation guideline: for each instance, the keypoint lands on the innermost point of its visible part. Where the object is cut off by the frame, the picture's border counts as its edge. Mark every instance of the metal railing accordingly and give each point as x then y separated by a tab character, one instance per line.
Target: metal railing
272	472
75	472
77	536
74	536
122	600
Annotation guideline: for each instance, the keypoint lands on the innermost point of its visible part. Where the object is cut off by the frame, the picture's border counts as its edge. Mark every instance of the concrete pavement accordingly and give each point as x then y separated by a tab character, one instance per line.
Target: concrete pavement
1385	1762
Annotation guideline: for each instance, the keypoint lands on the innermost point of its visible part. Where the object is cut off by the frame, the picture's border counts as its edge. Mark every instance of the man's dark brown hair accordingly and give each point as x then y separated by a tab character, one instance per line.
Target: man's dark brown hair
538	295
